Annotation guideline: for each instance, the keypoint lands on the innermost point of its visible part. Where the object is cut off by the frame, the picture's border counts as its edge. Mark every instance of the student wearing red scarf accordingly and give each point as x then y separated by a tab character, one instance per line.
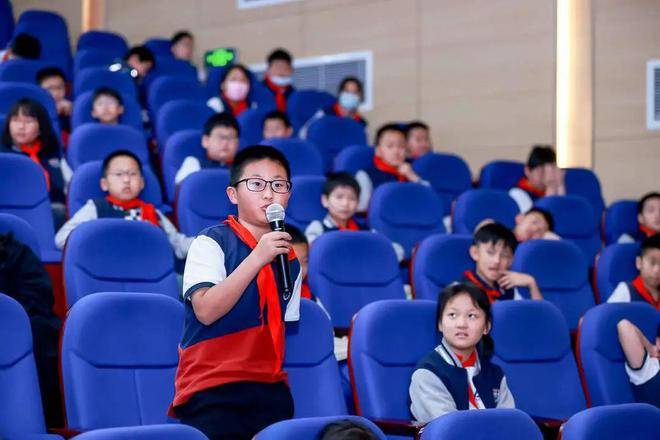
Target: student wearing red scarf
389	164
648	219
123	182
234	90
278	78
646	287
542	178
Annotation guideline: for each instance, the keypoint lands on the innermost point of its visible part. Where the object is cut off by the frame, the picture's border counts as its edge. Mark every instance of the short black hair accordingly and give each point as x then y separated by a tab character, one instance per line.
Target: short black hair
180	36
143	53
107	91
240	67
547	216
652	242
346	430
297	237
645	198
49	72
391	126
50	141
493	233
412	125
278	114
256	153
336	180
114	154
279	54
541	155
26	46
224	119
354	79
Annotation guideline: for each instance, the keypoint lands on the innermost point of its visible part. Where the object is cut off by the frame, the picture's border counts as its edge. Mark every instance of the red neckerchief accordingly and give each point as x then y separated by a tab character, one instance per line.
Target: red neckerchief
524	184
280	93
147	210
470	362
385	167
305	292
493	294
267	287
236	107
5	56
647	231
33	151
351	225
337	109
638	284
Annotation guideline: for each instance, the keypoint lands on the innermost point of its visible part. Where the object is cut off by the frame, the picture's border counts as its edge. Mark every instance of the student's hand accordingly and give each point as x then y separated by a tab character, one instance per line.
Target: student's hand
271	245
510	279
406	170
64	107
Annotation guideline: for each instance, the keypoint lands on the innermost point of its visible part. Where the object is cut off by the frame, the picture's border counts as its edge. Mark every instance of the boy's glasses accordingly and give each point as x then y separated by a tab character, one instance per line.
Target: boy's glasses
257	184
122	174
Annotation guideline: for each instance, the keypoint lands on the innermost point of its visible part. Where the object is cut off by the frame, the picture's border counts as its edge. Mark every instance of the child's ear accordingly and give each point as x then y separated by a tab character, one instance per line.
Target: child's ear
104	184
440	326
231	193
206	140
519	218
527	171
120	110
324	201
638	263
640	219
474	252
141	183
489	325
289	131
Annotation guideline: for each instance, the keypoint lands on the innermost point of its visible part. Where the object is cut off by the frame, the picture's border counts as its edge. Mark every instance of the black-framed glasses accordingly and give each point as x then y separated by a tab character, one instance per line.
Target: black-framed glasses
257	184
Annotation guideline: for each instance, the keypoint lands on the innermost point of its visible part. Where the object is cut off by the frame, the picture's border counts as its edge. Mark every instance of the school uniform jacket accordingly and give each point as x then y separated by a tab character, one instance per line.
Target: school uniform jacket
192	164
633	291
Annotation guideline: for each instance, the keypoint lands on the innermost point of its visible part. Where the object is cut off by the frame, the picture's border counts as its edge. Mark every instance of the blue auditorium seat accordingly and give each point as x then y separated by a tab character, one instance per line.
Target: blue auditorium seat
331	134
406	213
251	122
448	175
180	114
501	174
354	158
532	345
18	70
180	145
90	58
137	257
561	273
93	141
476	205
6	22
102	41
489	424
615	264
51	30
614	422
303	104
169	66
119	358
172	87
310	428
439	261
13	91
305	203
82	111
600	354
350	269
161	47
21	230
583	182
91	78
620	218
304	158
148	432
261	96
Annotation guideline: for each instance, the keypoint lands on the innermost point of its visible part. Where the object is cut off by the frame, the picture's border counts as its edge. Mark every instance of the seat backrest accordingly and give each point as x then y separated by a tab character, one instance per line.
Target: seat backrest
303	104
52	32
532	345
7	22
21	230
439	261
354	158
630	420
620	218
561	273
137	257
20	401
84	186
82	111
350	269
180	114
251	122
310	428
476	205
310	362
615	264
304	158
11	92
102	41
170	66
202	201
119	357
406	213
331	134
149	432
161	47
91	78
501	174
180	145
574	221
19	70
381	371
94	141
448	174
305	203
584	182
495	424
94	58
31	203
601	358
171	87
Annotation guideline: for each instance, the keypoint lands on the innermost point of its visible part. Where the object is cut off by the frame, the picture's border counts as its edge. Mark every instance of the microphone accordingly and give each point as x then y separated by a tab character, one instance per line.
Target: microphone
275	216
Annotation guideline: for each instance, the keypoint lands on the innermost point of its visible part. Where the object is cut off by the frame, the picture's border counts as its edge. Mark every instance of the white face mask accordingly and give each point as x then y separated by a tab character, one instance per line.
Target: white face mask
237	90
348	100
281	80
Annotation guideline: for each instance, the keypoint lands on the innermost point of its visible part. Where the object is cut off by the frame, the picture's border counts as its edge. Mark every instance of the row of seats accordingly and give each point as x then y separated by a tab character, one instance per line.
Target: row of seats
119	356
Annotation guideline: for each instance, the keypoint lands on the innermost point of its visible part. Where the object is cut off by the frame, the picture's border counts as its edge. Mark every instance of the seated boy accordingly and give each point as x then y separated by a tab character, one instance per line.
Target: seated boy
22	47
542	178
642	365
122	180
492	251
107	106
418	138
646	287
220	140
277	125
230	383
389	163
535	223
52	79
648	217
141	59
278	78
301	248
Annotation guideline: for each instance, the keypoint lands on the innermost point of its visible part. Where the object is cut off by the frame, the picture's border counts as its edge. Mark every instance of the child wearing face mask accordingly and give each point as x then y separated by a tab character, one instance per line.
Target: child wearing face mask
234	90
458	374
278	78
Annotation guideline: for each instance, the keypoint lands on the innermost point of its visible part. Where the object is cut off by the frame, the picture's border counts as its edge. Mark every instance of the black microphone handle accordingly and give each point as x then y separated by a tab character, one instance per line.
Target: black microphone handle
283	267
